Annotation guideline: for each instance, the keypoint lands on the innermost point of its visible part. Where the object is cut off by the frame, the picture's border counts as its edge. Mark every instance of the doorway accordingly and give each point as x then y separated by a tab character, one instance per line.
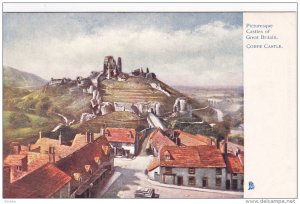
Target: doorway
227	184
234	184
179	180
204	182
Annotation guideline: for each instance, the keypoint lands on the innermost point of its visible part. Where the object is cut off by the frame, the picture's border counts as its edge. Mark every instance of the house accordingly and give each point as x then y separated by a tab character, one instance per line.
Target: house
196	166
25	159
45	182
125	142
235	171
87	162
89	167
158	140
22	162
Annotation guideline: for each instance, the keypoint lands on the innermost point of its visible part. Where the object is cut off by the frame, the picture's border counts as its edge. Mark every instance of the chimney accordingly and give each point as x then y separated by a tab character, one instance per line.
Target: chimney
101	131
24	163
225	145
92	137
52	154
87	137
177	141
15	148
238	152
29	147
60	138
40	134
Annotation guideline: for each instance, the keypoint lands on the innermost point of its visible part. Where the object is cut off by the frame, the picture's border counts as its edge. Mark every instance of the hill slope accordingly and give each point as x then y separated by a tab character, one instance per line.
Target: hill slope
15	78
50	102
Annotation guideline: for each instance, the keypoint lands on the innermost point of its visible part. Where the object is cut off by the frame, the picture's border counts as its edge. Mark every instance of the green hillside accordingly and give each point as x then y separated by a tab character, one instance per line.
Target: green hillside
39	108
18	126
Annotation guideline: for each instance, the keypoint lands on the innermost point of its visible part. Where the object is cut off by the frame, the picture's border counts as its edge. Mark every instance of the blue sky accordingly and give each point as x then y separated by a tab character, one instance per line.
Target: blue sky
196	48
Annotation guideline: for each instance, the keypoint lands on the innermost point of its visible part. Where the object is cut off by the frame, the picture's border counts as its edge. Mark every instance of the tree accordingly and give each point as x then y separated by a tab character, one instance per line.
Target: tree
222	129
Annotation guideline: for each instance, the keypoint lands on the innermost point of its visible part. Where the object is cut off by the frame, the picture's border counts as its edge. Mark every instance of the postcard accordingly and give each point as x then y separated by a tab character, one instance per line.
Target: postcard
149	100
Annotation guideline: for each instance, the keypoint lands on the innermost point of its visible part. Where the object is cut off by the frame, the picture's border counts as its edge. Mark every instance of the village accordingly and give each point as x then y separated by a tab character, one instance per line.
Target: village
116	162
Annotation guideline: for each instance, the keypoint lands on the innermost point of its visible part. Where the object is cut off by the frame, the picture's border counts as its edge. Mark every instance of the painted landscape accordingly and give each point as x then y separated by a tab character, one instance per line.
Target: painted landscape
123	105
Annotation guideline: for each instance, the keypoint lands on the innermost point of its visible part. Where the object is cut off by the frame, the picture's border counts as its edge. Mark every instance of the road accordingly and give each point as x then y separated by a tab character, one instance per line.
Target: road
219	114
132	176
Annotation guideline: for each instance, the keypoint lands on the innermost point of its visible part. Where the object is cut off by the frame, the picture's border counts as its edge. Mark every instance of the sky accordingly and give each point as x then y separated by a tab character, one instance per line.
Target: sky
191	49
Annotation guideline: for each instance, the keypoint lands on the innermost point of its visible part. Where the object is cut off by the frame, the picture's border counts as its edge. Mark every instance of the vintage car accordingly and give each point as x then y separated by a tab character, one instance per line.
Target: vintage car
146	193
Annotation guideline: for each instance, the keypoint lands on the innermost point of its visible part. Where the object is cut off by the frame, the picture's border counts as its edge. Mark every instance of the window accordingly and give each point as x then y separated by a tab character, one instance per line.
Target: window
168	170
167	157
191	170
192	180
218	181
218	171
234	174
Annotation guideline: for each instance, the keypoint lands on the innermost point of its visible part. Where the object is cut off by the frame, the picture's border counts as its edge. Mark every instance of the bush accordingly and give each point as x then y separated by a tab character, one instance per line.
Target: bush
19	120
43	105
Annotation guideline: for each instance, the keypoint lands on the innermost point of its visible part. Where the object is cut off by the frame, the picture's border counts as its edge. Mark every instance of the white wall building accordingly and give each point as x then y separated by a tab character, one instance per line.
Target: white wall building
201	166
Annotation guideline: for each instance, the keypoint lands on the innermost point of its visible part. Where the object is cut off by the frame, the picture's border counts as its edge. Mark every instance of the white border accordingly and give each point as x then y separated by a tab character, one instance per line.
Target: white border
149	7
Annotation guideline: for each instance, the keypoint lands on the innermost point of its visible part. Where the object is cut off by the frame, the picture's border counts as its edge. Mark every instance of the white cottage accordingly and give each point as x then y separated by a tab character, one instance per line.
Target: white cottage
195	166
235	171
125	141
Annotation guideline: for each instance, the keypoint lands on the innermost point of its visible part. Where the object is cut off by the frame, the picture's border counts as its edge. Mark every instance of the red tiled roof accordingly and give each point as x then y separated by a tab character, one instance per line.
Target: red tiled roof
234	164
76	162
153	164
159	140
188	139
34	161
41	183
14	159
205	139
203	156
121	135
233	148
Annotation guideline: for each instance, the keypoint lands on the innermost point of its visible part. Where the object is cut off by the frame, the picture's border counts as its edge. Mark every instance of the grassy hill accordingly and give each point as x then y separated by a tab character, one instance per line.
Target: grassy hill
42	105
15	78
138	90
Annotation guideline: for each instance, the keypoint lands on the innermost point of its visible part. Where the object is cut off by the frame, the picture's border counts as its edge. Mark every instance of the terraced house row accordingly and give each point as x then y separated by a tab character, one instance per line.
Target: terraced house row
52	168
184	159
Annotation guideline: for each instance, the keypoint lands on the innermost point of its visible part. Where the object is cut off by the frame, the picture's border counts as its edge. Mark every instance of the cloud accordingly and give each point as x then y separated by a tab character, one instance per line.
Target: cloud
209	54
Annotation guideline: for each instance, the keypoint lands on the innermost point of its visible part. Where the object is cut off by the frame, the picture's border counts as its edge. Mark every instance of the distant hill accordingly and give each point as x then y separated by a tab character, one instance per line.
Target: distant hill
18	79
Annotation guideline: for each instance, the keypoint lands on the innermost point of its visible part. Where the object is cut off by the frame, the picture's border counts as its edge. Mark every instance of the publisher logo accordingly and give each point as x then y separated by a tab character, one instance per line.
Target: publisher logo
251	185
